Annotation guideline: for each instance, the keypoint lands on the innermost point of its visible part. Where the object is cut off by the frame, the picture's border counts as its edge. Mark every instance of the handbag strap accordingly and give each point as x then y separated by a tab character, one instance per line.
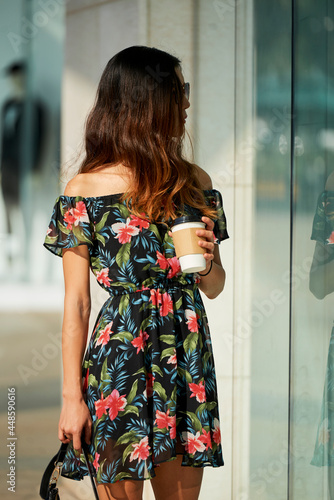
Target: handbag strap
89	467
53	470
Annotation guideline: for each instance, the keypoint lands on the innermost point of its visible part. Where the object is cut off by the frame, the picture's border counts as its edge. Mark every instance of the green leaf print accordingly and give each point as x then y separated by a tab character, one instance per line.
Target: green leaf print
157	387
161	431
128	450
127	437
87	363
155	369
79	234
122	210
129	409
155	230
123	254
126	286
100	238
62	228
145	324
206	406
123	304
172	401
205	359
122	475
100	471
100	225
141	370
184	374
194	420
190	293
133	392
105	378
178	304
92	381
210	405
167	352
122	336
168	339
50	240
190	342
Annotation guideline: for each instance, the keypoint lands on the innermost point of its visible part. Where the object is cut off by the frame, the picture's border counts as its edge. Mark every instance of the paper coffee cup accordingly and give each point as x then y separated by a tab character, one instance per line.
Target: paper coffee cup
185	239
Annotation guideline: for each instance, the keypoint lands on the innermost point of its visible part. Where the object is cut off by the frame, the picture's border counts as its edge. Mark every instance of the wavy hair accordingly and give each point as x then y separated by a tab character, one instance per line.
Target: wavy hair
137	120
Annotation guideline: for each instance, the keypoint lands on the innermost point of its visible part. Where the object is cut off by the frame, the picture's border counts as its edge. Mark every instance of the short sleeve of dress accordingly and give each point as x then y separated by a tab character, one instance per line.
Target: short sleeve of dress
214	199
69	226
323	222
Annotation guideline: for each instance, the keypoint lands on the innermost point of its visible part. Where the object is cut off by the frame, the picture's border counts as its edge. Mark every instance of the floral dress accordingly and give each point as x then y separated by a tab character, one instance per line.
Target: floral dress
148	372
323	231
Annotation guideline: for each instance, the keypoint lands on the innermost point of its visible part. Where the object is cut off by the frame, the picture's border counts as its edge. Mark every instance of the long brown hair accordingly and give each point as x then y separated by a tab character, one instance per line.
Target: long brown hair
137	109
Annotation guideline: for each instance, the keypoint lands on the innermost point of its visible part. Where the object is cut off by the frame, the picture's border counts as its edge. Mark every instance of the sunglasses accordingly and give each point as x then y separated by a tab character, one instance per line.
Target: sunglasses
186	91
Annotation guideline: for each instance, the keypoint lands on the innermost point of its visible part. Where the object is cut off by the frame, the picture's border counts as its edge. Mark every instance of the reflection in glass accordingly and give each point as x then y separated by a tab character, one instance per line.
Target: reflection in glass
321	285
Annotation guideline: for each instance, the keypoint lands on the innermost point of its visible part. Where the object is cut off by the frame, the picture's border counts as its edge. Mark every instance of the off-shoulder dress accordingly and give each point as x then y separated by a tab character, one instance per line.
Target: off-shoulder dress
148	372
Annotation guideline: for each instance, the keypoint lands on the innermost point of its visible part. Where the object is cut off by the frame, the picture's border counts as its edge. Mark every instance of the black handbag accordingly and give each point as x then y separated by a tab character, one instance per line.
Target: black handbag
48	489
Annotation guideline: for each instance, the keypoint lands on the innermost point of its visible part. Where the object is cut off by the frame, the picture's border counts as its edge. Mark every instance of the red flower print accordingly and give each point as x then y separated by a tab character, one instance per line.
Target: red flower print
206	439
216	432
198	391
192	318
69	218
124	231
76	215
140	341
172	360
116	403
96	461
167	304
156	297
175	267
48	231
101	407
102	276
193	442
149	384
172	425
138	221
80	213
161	261
197	278
141	450
85	382
104	335
173	263
331	239
162	419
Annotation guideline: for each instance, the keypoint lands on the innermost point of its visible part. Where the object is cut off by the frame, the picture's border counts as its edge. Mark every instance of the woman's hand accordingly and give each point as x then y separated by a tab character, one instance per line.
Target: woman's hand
209	243
74	420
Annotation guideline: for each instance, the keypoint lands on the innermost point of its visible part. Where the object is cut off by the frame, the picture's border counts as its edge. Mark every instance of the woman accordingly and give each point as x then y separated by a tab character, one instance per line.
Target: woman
322	285
145	395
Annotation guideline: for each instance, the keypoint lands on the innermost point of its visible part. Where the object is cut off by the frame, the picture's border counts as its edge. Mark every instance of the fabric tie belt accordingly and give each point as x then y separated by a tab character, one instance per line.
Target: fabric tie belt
168	286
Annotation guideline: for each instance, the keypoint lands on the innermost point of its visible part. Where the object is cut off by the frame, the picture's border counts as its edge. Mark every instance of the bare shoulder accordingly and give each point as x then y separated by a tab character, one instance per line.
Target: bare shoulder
76	186
104	181
330	182
204	178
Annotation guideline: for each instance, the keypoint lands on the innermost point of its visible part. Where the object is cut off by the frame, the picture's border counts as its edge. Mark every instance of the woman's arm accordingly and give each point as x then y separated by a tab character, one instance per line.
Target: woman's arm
212	284
75	415
76	267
